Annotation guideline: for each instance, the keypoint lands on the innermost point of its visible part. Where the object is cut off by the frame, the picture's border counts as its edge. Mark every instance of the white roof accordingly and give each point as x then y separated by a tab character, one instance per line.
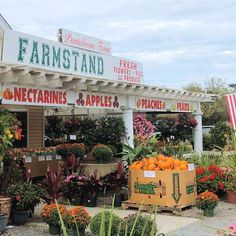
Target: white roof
24	75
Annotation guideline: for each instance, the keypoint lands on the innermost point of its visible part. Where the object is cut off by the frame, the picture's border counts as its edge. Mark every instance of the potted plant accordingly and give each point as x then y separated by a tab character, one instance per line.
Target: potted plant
50	215
72	189
92	184
101	153
119	180
79	220
62	150
53	185
207	201
78	150
25	197
229	163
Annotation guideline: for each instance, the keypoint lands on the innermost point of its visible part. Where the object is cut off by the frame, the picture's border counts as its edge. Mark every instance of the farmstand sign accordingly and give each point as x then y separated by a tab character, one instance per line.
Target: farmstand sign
25	49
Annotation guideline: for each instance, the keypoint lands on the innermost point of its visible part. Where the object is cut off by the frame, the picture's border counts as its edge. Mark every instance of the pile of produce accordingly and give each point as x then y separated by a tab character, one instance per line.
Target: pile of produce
160	162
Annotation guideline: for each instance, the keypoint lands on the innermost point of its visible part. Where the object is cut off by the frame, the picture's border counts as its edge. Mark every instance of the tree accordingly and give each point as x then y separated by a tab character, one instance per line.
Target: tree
213	112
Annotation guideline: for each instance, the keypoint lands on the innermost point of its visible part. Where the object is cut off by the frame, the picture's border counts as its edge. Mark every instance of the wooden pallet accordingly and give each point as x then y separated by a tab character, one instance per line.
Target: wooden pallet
176	210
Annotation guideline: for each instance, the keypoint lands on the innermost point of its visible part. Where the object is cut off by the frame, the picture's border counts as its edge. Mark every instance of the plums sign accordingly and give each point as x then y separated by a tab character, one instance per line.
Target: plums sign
97	100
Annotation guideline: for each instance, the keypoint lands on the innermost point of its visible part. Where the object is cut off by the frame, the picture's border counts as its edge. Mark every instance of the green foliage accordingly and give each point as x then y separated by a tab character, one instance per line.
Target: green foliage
25	195
53	128
113	149
101	152
95	223
86	132
138	225
220	134
77	149
110	130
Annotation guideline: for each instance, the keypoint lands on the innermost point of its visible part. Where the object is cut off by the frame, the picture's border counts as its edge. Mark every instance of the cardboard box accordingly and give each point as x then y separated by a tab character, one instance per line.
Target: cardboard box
164	188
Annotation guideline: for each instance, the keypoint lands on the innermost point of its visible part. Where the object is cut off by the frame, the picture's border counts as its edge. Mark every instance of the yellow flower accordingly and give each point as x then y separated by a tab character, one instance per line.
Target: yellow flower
10	135
7	131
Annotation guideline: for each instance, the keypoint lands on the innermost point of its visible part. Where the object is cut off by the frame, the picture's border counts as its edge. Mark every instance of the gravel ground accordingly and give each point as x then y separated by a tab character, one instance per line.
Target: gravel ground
225	214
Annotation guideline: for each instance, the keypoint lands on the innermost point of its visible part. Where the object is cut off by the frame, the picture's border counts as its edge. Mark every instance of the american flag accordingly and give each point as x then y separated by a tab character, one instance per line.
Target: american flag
231	104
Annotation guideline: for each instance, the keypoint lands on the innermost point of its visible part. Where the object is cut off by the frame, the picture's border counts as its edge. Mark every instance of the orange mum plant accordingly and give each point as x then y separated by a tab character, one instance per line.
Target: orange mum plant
79	217
50	214
160	162
206	200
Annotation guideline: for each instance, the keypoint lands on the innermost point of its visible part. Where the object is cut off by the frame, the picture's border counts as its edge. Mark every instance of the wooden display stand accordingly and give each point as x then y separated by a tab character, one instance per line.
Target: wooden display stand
169	190
38	165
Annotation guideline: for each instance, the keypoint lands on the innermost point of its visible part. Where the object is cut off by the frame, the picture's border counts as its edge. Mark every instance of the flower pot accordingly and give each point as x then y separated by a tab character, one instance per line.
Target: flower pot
20	217
91	201
5	205
231	196
118	200
54	229
3	223
209	212
79	232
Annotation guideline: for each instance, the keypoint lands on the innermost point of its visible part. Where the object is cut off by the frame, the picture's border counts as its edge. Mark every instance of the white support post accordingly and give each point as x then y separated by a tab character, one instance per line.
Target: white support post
128	119
197	136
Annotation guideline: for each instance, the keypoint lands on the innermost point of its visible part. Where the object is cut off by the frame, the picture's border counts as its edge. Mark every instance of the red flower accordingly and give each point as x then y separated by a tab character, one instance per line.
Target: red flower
200	170
201	180
18	197
221	185
212	177
205	178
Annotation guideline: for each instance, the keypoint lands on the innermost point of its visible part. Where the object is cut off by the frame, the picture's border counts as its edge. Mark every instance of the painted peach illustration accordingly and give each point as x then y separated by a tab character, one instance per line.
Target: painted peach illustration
7	94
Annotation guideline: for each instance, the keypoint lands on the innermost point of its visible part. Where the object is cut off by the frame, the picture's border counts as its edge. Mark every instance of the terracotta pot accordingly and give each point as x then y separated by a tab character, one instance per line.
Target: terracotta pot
5	205
231	196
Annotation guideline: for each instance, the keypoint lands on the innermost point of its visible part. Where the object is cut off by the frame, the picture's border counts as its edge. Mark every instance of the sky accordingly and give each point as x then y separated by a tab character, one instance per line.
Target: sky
178	41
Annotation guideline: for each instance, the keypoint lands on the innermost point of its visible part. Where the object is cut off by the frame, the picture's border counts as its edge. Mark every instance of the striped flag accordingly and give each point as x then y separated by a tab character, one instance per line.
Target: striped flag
231	104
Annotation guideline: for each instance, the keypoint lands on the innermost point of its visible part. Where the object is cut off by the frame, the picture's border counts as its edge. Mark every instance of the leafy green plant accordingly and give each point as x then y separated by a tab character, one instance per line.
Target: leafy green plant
229	163
77	149
101	152
53	184
95	223
138	225
110	130
220	134
25	195
206	200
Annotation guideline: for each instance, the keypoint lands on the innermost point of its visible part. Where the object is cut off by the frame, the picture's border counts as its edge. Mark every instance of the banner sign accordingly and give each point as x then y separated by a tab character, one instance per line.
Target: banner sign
182	106
150	104
21	95
95	100
78	40
24	49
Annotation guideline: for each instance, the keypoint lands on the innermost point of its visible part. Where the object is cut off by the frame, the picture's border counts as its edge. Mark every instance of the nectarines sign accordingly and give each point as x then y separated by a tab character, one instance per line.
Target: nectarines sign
21	95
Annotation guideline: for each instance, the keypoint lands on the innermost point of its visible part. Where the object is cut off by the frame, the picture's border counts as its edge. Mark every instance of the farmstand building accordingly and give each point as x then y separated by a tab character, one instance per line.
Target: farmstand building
78	73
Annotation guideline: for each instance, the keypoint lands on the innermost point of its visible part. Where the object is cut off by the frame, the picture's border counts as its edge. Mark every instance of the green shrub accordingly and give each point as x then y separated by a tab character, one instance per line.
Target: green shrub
143	223
78	149
96	222
220	134
113	149
101	152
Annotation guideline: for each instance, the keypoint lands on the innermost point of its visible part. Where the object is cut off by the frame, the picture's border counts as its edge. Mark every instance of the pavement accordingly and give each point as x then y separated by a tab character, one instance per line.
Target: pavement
191	223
